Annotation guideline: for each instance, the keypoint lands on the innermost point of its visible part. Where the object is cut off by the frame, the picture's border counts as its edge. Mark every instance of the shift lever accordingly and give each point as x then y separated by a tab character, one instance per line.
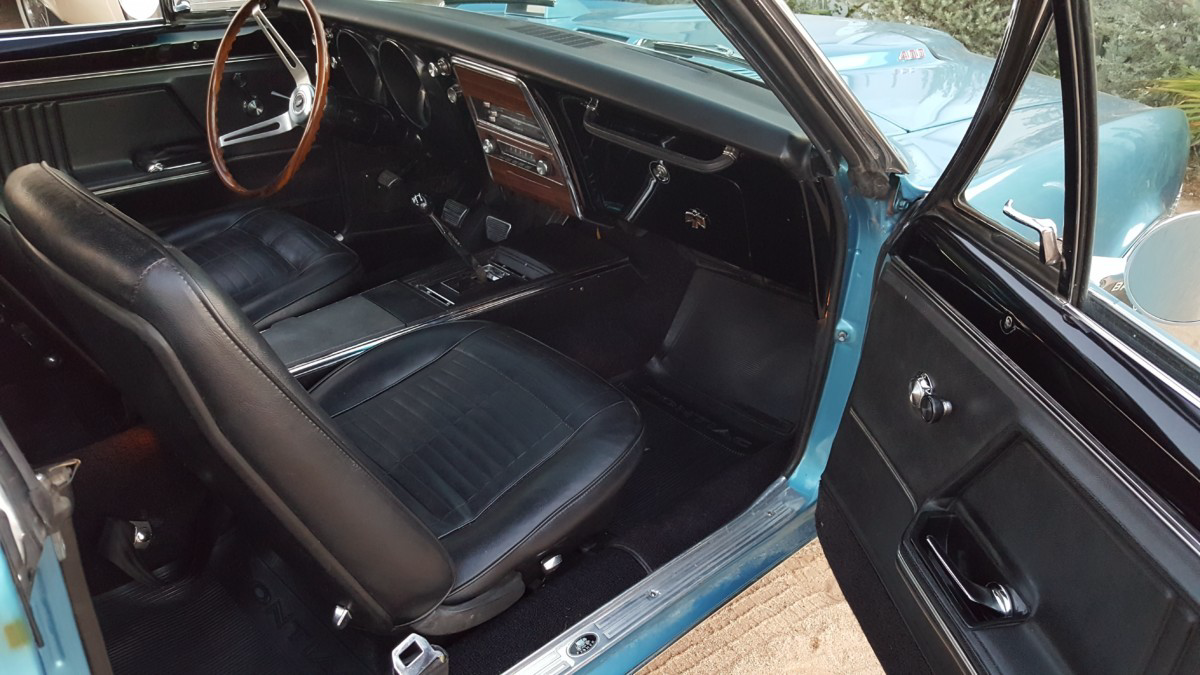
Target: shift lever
420	201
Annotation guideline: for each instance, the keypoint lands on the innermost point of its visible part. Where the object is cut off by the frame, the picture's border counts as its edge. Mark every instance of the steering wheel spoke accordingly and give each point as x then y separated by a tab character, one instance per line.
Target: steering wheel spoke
280	124
299	74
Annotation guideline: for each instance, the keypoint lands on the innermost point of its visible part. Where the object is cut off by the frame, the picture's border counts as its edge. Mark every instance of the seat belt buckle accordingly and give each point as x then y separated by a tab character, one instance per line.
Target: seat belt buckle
415	656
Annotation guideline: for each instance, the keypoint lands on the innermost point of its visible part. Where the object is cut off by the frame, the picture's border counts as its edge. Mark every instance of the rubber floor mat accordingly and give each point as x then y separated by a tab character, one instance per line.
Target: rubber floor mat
246	614
188	627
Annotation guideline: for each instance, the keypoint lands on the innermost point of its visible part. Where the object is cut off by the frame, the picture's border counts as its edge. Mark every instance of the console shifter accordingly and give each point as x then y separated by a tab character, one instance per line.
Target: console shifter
422	203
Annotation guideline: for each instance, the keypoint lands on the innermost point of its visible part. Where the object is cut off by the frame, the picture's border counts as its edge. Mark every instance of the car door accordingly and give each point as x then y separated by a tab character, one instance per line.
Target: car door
1014	484
120	106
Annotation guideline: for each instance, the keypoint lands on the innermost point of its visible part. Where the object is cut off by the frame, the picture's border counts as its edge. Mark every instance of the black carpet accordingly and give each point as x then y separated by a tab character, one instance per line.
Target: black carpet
689	482
52	412
129	476
247	613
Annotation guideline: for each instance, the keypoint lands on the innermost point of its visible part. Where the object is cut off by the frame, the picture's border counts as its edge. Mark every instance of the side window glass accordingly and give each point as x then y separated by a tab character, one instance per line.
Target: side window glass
1026	164
1145	266
16	15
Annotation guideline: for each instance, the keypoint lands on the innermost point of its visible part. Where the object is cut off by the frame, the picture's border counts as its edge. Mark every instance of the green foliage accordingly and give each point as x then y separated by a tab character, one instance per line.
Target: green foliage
1185	91
1138	42
978	25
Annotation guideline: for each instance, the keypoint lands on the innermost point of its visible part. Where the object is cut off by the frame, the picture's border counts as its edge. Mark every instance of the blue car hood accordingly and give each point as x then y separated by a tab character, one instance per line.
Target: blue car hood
911	77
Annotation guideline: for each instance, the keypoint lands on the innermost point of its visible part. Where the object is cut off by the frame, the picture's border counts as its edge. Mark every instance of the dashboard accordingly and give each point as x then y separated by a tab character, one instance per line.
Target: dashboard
594	129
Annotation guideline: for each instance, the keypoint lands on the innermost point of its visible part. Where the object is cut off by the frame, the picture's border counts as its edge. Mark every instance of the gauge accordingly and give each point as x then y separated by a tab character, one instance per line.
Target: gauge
356	64
400	69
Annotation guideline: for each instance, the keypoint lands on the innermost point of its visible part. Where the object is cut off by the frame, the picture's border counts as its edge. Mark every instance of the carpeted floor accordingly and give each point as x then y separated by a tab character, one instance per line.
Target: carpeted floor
794	620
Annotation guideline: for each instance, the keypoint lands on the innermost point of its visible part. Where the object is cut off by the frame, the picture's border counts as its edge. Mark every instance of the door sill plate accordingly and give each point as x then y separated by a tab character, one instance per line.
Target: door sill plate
779	508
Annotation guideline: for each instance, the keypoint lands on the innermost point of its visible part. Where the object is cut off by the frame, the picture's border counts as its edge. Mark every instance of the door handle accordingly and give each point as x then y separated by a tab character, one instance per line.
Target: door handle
995	596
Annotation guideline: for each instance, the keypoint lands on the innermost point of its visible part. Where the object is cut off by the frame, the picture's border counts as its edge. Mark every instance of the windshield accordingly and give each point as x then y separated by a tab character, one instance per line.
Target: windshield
679	29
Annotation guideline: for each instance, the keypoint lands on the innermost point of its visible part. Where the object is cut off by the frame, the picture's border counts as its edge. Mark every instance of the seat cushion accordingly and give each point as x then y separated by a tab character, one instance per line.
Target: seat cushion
504	448
271	263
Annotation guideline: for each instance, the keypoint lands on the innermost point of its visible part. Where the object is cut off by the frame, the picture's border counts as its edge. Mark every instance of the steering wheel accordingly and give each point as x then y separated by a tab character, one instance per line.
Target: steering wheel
305	105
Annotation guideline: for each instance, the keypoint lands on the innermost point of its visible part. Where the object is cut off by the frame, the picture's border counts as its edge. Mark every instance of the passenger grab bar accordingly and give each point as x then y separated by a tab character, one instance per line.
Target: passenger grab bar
723	161
995	596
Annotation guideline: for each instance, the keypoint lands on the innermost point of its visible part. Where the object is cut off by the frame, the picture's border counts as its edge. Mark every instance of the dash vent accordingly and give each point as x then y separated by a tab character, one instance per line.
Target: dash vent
569	38
29	133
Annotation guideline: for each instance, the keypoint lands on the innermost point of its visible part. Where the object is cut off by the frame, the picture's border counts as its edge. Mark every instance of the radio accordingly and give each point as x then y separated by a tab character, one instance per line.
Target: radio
517	156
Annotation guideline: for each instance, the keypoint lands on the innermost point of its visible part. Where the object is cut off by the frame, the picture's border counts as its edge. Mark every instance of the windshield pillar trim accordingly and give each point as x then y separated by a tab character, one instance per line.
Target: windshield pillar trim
774	42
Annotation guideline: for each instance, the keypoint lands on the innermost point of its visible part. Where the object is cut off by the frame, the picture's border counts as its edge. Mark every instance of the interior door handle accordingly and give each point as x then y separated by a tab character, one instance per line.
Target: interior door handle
995	596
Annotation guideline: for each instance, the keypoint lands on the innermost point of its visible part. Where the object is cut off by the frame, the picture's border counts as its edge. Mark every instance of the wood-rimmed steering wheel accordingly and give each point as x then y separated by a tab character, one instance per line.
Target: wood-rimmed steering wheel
305	105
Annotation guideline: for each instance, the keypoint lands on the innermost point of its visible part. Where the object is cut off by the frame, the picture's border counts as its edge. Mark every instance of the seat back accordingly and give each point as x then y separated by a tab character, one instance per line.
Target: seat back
189	361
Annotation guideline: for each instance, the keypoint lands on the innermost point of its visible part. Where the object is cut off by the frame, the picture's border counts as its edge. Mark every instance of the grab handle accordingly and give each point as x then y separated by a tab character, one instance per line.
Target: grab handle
723	161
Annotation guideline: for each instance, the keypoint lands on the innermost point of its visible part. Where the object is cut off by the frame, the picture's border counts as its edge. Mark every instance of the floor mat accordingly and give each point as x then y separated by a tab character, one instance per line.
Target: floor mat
585	583
690	481
246	614
191	626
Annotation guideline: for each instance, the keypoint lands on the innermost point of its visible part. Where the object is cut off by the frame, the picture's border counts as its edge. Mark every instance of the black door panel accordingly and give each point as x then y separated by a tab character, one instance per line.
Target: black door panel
1012	491
111	124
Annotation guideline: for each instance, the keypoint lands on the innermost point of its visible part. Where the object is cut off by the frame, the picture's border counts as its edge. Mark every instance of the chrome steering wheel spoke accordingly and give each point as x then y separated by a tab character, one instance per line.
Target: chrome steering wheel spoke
280	124
299	74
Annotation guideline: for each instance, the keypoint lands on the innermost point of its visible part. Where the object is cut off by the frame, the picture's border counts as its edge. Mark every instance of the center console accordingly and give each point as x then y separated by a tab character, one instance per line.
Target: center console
531	268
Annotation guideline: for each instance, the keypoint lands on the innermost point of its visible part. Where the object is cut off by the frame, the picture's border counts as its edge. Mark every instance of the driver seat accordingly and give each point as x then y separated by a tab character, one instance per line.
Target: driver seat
271	263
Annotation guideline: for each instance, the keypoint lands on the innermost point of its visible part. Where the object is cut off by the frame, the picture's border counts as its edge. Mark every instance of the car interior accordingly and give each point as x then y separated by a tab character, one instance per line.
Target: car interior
538	312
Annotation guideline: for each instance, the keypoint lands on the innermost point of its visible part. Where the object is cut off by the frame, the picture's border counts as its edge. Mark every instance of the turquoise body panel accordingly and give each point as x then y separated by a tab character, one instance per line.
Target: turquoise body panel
62	651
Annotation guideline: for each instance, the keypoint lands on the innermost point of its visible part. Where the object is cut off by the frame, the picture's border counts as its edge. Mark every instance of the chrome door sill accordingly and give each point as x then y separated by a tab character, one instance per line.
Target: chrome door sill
779	510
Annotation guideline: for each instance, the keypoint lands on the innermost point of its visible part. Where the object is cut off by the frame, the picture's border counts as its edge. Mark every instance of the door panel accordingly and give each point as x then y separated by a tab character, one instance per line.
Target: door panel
1010	490
106	119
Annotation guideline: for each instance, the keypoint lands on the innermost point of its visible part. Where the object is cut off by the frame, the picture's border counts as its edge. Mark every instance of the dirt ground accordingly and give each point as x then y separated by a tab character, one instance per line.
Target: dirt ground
793	620
10	16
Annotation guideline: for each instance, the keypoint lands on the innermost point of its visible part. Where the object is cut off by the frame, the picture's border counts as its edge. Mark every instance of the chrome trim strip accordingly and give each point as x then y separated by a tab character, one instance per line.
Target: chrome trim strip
887	461
130	71
778	508
540	115
536	288
129	187
61	31
1133	354
932	614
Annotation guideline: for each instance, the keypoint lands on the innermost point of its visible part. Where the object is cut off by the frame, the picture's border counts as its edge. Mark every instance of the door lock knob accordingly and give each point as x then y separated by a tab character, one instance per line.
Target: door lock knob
929	406
934	408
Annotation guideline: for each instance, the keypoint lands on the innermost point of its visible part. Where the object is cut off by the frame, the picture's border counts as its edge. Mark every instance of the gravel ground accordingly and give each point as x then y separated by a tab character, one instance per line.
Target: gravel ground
793	620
